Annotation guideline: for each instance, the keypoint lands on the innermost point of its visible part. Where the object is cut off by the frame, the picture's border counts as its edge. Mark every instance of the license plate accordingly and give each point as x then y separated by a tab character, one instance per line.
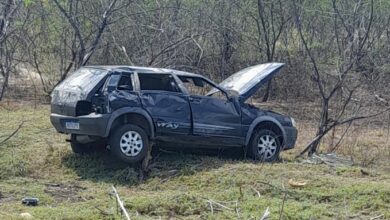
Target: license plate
72	125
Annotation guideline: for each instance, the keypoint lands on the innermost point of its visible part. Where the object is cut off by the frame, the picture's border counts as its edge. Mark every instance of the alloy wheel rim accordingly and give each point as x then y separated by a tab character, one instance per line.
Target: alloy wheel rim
266	146
131	143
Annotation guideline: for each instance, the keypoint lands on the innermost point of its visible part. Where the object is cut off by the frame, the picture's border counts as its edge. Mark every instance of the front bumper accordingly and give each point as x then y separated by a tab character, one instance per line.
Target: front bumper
291	137
92	124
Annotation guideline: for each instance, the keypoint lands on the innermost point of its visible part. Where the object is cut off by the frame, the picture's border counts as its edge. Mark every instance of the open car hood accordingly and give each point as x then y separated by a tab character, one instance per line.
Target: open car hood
247	81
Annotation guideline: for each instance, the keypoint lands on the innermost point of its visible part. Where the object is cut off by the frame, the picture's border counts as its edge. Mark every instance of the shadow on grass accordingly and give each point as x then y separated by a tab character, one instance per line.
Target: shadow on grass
166	164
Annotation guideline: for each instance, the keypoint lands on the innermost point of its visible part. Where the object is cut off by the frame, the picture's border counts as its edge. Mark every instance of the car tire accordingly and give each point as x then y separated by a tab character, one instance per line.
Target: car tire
265	146
129	143
79	148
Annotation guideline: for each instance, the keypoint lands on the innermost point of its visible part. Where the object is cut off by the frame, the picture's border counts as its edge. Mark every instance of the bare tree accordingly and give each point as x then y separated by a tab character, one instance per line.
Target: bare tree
8	44
83	44
270	20
351	36
270	24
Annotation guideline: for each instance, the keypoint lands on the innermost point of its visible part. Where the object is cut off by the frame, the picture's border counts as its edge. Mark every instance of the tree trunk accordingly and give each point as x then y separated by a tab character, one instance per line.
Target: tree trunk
267	92
322	126
4	86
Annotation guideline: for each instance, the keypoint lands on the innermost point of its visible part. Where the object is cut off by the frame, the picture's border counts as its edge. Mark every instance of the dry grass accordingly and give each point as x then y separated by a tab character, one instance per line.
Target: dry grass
366	142
37	162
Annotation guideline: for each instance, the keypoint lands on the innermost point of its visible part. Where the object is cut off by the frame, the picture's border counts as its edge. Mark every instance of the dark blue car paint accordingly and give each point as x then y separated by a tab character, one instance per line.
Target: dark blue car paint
170	111
128	110
175	117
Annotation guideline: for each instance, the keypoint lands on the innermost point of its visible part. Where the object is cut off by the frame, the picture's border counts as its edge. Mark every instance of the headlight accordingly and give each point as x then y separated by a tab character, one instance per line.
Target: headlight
293	123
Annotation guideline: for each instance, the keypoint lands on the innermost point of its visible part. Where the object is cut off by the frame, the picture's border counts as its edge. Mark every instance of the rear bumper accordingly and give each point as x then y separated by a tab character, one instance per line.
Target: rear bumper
291	137
92	124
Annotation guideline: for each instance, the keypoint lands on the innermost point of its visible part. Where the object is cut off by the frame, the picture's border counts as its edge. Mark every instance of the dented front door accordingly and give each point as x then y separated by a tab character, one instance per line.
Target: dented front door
216	119
170	111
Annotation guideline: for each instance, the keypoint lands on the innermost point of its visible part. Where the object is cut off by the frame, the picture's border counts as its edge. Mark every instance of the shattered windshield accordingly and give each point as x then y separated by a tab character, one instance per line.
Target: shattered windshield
83	80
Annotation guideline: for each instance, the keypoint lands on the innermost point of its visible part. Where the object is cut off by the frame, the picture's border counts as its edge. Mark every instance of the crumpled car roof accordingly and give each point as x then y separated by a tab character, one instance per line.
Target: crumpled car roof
145	70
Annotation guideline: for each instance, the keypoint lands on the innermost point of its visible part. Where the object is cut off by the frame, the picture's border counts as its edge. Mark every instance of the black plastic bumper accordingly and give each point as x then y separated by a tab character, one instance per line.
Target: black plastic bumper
92	124
291	137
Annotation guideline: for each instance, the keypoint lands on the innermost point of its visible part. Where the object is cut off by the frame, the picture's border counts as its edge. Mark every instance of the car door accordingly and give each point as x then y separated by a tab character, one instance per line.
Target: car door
167	105
119	91
216	118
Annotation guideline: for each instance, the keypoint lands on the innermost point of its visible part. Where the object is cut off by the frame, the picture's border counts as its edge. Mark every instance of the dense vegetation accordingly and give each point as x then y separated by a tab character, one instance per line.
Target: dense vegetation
337	73
215	38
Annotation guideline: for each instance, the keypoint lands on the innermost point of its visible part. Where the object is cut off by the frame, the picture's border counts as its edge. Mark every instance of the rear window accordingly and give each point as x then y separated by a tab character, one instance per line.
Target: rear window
162	82
84	79
120	81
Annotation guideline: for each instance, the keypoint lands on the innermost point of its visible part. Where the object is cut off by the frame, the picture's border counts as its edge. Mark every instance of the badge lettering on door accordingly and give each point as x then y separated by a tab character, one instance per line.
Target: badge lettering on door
169	125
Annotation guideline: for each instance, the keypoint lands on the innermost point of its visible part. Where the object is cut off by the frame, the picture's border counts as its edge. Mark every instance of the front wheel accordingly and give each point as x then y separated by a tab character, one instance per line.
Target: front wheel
129	143
265	146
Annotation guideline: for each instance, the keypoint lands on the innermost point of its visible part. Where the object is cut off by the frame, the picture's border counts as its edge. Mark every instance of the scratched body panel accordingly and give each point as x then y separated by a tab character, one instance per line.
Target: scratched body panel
170	111
96	97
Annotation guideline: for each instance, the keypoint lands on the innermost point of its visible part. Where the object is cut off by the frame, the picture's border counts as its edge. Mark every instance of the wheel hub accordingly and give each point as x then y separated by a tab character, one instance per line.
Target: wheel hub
267	146
131	143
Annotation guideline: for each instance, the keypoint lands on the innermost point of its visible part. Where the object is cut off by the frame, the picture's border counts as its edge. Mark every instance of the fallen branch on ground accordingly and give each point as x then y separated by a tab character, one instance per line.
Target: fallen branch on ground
257	192
338	123
12	134
120	203
266	214
283	202
218	204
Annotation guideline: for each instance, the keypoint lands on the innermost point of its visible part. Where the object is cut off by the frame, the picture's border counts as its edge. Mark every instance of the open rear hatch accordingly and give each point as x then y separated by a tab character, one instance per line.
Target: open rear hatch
247	81
80	86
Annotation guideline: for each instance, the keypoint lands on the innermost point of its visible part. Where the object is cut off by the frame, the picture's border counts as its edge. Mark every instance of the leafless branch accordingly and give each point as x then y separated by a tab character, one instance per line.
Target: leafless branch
120	202
12	134
341	122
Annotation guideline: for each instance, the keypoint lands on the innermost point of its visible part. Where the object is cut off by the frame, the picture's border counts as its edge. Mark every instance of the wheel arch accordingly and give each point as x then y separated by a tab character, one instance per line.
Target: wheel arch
265	121
129	114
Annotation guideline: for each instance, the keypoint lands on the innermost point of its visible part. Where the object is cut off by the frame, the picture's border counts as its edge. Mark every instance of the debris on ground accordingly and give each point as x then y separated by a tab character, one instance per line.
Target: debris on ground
30	201
64	192
294	183
266	214
26	215
330	159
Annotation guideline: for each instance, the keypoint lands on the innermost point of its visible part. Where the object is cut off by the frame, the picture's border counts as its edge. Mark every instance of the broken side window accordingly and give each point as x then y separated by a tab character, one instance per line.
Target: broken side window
112	82
119	81
125	82
158	81
200	87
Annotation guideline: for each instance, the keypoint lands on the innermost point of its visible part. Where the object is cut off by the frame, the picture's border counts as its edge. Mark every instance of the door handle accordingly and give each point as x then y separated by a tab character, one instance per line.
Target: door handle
179	109
195	100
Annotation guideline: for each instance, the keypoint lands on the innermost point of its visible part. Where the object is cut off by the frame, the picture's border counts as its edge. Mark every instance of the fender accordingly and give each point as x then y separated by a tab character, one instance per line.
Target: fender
126	110
259	120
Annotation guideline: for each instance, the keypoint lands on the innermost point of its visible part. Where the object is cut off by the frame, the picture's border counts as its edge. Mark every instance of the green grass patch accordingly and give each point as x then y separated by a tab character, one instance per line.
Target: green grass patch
37	162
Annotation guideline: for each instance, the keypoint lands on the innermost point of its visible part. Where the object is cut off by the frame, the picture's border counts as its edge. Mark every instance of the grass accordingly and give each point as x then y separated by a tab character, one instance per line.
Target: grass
37	162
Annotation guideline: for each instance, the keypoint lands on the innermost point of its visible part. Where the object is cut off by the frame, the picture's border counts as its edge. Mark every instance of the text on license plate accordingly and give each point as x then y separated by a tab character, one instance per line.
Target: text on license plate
72	125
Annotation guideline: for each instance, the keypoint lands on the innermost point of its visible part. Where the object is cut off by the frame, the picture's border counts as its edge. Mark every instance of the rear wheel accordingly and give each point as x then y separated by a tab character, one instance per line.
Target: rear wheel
265	146
129	143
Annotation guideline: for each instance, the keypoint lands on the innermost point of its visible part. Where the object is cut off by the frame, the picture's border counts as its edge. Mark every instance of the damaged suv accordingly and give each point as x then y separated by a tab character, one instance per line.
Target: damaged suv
128	108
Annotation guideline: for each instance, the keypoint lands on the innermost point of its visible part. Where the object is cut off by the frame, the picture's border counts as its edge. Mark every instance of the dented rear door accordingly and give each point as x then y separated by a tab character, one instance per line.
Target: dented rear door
169	109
